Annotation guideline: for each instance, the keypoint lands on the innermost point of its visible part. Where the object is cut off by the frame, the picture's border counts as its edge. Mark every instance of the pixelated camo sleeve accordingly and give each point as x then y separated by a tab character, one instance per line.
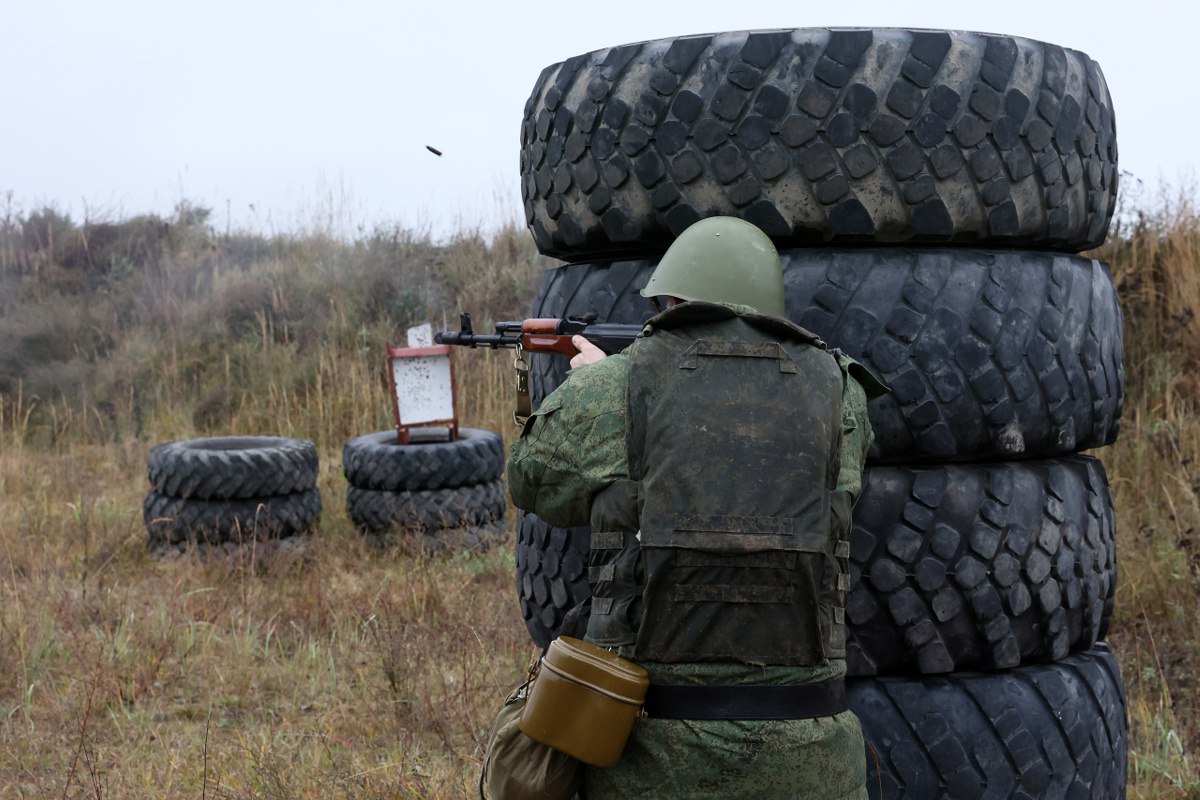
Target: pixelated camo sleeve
573	446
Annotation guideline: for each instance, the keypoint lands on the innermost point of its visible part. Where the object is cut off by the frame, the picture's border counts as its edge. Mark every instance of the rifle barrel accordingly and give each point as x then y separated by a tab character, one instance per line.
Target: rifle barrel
461	339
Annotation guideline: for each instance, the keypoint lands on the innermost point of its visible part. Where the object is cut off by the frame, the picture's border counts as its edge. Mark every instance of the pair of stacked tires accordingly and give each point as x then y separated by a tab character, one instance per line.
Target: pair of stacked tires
448	493
227	491
927	191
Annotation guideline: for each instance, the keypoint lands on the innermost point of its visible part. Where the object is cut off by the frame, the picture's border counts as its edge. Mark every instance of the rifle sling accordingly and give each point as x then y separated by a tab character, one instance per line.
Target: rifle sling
524	405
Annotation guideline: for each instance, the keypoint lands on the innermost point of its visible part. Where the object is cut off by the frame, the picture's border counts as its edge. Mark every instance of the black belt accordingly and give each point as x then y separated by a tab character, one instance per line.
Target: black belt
803	701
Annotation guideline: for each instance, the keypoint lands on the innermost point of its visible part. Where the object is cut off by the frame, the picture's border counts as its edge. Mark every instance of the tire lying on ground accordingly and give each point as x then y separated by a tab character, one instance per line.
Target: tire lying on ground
378	511
952	567
821	136
990	354
178	521
551	574
981	566
377	461
231	467
443	493
1053	730
230	490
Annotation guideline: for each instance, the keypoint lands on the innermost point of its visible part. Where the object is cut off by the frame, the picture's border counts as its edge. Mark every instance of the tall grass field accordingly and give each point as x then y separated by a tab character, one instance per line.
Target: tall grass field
342	670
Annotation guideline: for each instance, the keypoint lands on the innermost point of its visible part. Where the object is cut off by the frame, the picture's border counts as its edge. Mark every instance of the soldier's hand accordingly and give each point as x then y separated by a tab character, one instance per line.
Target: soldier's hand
588	352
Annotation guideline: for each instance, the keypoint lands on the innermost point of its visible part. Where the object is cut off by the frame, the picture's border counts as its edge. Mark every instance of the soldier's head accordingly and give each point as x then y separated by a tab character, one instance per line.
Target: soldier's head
721	260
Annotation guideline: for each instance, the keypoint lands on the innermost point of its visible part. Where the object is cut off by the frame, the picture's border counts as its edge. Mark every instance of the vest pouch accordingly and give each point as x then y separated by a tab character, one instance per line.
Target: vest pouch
755	608
584	701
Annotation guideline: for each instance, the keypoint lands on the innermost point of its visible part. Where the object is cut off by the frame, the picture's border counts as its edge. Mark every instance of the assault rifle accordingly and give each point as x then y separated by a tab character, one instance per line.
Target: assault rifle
544	335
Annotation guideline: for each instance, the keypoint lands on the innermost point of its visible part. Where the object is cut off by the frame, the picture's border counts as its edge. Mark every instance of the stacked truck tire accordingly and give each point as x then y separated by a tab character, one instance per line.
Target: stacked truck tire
928	192
230	490
449	493
227	491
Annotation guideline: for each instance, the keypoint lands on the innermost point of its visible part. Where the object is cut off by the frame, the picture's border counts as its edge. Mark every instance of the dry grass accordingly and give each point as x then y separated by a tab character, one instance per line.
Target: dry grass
345	671
339	671
1154	468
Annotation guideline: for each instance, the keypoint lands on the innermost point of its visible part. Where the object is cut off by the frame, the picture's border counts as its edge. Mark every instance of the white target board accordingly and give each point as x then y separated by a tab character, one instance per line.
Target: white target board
422	377
424	385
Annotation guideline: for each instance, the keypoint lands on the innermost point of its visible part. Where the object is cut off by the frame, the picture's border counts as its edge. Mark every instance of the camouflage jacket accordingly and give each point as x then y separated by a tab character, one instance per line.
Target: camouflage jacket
573	447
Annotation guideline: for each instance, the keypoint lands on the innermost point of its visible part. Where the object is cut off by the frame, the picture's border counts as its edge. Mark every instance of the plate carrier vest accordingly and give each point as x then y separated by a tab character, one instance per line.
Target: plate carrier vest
739	548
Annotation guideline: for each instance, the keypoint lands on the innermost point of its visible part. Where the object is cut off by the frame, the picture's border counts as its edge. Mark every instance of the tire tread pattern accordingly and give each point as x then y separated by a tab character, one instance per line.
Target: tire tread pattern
1053	730
841	136
551	574
377	461
174	520
374	511
979	567
990	354
233	467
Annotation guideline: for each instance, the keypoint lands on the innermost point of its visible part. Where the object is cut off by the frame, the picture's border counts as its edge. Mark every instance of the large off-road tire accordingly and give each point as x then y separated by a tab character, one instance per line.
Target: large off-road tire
551	574
979	566
952	567
1054	730
991	354
174	520
233	467
377	461
375	512
821	136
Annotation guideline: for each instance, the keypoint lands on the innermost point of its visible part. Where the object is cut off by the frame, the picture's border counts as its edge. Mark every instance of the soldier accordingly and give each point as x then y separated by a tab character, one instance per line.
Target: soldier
717	461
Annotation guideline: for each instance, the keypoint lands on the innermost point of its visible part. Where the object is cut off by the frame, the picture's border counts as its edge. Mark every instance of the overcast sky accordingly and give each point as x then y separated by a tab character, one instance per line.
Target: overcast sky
280	115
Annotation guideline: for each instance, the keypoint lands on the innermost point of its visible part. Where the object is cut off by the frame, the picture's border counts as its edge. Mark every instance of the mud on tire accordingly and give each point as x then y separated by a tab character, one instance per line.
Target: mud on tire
821	136
990	354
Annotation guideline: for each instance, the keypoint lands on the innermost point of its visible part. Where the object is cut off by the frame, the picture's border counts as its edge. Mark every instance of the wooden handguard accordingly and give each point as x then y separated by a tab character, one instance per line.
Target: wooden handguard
540	335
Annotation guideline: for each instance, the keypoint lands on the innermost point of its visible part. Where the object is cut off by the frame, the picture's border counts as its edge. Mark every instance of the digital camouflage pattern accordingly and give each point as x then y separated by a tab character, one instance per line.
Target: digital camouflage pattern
572	450
804	759
573	446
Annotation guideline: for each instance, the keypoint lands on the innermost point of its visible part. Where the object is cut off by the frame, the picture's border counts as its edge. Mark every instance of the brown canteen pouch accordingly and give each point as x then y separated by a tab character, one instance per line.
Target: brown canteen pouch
584	701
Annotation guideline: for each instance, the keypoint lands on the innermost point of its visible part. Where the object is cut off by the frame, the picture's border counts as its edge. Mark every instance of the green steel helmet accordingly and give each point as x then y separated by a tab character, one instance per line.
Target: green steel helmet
721	260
